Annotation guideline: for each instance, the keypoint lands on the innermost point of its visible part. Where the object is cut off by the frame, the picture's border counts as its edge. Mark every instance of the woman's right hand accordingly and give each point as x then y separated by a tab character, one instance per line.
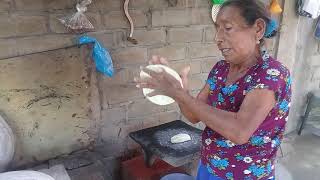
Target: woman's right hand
183	73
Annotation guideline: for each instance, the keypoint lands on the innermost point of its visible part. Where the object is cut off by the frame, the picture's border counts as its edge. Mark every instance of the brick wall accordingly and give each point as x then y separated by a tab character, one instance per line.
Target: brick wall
183	33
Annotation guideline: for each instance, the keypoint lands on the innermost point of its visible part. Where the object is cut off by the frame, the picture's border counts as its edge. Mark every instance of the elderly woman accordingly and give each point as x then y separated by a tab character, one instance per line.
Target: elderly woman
245	102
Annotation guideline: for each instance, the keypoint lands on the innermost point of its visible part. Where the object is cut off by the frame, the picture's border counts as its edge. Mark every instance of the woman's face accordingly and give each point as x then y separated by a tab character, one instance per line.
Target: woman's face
236	40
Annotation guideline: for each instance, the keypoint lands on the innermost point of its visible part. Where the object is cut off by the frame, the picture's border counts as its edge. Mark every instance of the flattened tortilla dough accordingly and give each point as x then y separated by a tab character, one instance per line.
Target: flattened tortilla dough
159	99
180	138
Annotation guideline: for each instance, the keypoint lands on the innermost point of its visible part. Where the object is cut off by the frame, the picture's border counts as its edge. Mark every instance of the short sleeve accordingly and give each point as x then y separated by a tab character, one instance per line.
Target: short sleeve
274	77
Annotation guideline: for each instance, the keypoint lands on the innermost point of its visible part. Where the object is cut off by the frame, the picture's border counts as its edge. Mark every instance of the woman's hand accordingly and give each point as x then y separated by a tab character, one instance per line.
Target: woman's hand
162	82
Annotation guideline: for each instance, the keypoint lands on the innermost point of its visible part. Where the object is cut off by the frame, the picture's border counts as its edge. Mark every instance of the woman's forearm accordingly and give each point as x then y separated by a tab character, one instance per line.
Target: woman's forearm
223	122
188	114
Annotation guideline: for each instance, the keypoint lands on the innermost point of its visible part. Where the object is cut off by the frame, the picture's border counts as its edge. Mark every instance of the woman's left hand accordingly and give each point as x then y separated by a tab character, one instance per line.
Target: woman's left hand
162	82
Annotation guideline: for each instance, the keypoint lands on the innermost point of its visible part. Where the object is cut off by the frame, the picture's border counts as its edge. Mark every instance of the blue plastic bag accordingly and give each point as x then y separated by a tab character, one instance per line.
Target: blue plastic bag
100	55
271	29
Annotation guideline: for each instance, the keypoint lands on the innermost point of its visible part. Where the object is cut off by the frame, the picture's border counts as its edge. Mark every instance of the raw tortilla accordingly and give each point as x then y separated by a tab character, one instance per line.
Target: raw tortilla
159	99
180	138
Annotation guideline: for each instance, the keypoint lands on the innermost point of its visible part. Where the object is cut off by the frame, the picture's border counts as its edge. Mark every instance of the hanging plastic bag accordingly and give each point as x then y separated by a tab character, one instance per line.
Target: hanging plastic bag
78	22
100	55
271	29
299	9
275	7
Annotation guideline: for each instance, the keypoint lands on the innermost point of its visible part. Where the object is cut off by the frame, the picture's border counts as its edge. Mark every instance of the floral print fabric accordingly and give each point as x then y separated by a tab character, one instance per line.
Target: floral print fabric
255	159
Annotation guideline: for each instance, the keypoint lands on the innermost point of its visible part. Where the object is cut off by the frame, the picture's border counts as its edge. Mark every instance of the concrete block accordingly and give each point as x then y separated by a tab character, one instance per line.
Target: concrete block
171	52
110	132
75	160
55	25
165	117
121	77
179	65
130	126
201	16
146	4
107	39
18	25
120	88
210	33
197	81
94	171
171	18
104	6
316	73
22	46
150	120
192	3
185	3
58	172
119	39
119	93
44	5
5	5
149	37
181	35
314	60
117	19
199	50
113	116
129	56
112	147
8	26
30	25
48	93
112	166
208	63
142	108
